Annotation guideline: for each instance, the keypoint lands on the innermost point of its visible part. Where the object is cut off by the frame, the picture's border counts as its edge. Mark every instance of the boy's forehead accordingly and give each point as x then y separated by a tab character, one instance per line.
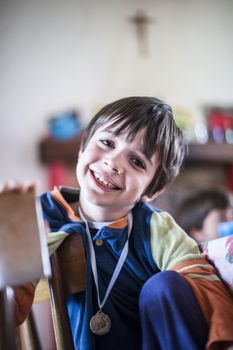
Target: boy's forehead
137	138
137	141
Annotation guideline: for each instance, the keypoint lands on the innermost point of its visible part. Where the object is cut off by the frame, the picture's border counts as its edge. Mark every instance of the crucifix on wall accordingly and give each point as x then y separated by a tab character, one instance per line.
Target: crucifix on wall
142	21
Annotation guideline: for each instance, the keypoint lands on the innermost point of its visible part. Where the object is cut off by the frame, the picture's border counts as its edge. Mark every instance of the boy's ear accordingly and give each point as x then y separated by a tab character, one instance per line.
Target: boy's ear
146	198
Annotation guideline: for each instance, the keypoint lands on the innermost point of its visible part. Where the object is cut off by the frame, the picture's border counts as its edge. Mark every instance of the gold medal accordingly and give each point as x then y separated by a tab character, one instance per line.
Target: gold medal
100	323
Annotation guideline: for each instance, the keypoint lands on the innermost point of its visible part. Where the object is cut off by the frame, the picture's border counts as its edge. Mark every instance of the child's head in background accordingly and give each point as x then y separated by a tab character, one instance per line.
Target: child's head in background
201	214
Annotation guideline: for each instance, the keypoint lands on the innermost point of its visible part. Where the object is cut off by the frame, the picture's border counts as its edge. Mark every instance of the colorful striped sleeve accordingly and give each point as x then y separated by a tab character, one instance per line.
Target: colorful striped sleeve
173	249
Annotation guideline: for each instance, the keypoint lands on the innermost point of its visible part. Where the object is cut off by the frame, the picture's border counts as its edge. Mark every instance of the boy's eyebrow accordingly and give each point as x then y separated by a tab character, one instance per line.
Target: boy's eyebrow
146	156
141	149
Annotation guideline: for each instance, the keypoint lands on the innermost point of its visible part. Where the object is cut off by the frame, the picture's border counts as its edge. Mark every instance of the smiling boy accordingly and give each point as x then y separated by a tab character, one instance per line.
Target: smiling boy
148	287
113	174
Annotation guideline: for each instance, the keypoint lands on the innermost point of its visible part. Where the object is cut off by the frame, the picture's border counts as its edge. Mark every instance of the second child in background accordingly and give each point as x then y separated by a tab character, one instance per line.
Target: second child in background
206	214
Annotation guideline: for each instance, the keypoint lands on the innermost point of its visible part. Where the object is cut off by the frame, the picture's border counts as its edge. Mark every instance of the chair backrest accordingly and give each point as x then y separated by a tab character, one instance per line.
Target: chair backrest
68	266
23	253
22	236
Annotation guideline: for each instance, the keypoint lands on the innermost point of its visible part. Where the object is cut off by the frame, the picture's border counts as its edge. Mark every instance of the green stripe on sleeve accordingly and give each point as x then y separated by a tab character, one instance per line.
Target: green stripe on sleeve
55	239
170	245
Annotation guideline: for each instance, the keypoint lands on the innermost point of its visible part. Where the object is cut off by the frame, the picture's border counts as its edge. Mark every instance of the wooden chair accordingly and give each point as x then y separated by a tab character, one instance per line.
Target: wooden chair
68	276
7	333
23	255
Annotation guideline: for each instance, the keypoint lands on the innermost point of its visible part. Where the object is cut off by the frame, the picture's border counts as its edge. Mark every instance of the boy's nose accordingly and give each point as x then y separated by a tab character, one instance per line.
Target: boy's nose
114	165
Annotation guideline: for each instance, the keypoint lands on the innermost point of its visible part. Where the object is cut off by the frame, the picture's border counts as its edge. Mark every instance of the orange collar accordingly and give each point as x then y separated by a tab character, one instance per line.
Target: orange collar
56	194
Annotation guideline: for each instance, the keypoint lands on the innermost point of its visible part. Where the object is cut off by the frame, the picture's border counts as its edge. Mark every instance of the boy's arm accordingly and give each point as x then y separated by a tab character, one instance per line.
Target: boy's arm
214	299
23	297
173	249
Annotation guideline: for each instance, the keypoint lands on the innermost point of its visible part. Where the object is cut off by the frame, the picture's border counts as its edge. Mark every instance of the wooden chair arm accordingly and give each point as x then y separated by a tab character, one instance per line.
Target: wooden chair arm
72	265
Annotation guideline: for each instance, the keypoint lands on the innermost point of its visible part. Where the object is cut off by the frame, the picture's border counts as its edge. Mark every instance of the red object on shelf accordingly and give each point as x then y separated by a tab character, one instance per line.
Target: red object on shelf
220	126
58	174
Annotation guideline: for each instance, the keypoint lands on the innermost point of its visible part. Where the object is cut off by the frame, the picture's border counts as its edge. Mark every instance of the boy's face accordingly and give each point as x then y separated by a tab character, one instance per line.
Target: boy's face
113	174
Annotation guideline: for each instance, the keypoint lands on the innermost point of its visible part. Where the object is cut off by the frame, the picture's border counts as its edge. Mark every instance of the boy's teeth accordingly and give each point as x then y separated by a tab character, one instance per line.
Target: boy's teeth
101	179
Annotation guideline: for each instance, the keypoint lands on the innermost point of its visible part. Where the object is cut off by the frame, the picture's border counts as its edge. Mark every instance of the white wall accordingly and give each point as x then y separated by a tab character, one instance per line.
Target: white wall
61	54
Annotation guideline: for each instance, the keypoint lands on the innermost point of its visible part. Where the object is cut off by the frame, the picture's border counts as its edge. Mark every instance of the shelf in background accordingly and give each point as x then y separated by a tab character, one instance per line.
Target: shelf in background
51	150
221	154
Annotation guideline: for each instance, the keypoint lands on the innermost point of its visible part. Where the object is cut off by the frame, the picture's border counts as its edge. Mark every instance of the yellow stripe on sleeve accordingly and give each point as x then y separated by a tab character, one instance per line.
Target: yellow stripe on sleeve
208	277
170	245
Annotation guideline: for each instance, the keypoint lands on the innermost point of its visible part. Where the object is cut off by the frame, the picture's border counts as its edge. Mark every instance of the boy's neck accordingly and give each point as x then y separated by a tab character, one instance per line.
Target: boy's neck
93	212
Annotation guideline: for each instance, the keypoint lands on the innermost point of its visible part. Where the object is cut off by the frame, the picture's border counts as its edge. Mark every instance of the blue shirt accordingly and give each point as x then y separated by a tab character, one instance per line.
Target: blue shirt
122	303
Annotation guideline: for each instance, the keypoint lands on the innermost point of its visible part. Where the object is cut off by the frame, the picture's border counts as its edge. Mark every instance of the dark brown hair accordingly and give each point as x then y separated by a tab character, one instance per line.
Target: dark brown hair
193	210
162	135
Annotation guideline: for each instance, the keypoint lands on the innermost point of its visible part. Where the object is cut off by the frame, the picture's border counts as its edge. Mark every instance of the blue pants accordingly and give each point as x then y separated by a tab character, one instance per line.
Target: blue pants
171	318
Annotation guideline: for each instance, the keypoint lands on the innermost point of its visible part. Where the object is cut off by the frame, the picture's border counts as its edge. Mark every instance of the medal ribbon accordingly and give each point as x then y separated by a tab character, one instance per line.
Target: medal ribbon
119	263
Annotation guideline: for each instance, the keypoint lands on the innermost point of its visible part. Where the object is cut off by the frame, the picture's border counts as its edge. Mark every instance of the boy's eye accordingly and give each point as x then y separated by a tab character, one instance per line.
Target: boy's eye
107	143
138	163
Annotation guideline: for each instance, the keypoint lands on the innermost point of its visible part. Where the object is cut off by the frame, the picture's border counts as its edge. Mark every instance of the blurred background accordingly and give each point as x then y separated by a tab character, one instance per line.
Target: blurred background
58	56
62	60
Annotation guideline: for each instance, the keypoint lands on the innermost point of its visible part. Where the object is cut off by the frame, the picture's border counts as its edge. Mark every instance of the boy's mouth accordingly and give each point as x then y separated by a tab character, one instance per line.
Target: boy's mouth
103	181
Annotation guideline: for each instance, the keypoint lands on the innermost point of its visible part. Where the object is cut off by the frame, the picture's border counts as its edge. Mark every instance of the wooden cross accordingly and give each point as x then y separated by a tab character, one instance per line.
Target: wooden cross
141	21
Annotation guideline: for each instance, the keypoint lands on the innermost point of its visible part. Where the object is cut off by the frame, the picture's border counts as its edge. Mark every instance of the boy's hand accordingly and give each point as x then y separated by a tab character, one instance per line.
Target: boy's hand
10	186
